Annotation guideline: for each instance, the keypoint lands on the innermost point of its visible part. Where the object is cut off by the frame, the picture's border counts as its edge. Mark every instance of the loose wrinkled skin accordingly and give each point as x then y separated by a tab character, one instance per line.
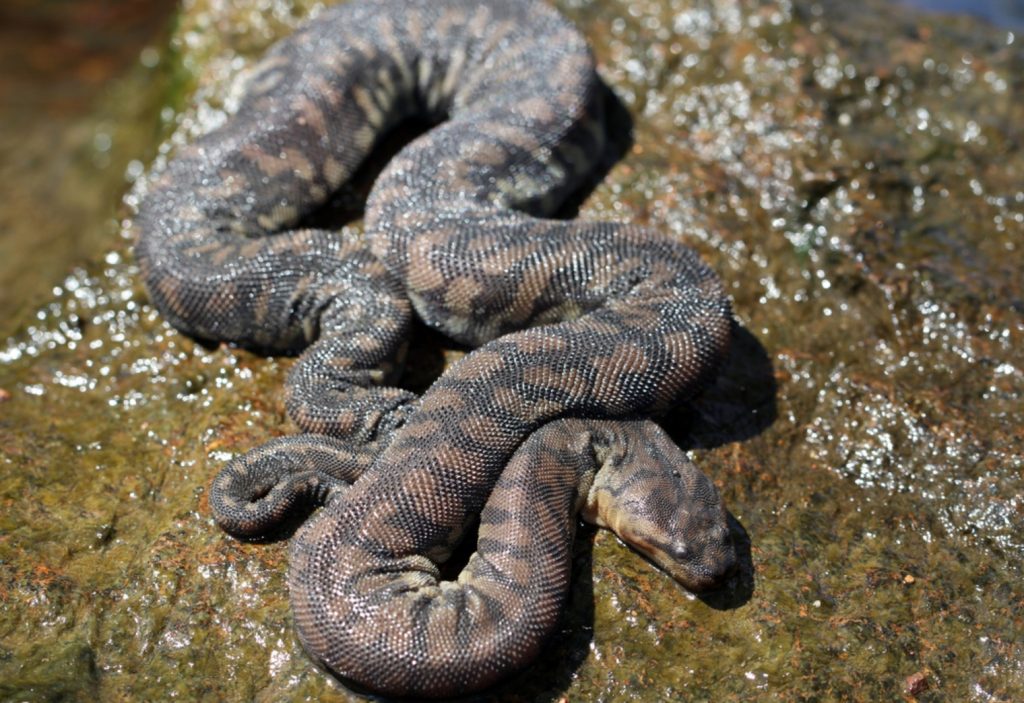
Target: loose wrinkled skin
581	326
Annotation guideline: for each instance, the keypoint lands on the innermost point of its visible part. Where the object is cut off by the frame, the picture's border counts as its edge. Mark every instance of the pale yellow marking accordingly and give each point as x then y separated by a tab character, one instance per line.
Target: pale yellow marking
456	61
300	163
364	137
414	26
320	86
489	153
271	165
251	249
265	77
310	114
478	23
537	108
425	73
334	172
511	134
362	97
385	90
390	37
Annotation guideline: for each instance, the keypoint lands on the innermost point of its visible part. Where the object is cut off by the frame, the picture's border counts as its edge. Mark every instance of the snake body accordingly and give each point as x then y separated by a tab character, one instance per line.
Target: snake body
581	328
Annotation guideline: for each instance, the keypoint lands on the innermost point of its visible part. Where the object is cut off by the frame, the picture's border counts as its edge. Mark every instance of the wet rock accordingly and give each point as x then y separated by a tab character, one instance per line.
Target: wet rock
854	173
917	683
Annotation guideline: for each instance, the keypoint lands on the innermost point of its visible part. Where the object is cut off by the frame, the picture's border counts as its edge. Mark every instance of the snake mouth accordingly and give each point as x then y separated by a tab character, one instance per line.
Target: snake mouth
696	571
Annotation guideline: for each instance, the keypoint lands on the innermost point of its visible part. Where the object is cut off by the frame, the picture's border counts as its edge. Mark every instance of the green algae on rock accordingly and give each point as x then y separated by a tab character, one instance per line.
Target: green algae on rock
853	173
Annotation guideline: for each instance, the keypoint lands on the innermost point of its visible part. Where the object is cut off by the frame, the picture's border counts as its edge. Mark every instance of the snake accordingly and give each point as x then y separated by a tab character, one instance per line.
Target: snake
580	331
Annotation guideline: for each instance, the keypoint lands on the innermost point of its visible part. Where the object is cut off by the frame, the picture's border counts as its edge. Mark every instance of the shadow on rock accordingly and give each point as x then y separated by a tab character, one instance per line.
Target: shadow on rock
738	406
739	588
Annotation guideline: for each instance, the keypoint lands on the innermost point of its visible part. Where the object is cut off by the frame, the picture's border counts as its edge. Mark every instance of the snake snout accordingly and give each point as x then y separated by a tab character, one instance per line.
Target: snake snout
724	564
703	570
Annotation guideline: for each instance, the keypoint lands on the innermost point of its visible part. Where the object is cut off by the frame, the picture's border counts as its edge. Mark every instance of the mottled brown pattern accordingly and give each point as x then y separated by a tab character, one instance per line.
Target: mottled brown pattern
582	326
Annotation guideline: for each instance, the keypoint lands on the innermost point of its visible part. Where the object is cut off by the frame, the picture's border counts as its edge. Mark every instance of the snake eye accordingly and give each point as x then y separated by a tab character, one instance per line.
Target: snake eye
680	552
675	472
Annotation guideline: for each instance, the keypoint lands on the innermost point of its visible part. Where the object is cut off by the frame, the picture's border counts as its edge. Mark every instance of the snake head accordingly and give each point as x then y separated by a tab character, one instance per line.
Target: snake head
657	501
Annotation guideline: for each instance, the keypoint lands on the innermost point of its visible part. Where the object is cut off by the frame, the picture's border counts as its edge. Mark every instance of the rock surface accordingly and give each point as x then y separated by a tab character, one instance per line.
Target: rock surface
855	172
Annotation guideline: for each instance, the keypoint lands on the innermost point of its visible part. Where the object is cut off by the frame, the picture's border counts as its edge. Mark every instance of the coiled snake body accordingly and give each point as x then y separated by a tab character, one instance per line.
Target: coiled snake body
582	328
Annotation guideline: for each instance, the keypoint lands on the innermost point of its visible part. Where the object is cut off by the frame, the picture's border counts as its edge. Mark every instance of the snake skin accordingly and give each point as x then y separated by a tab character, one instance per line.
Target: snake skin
581	327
